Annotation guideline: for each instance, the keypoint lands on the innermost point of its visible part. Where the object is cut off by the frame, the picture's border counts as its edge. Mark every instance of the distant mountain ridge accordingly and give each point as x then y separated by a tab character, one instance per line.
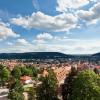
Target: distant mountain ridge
44	55
96	56
33	55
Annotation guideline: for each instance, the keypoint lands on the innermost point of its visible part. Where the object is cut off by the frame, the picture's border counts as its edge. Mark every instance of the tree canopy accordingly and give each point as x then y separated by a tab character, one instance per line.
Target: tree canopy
86	86
4	74
16	72
48	89
16	91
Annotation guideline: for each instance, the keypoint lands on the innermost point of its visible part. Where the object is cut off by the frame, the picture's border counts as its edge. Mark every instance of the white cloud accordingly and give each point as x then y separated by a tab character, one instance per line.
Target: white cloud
9	43
63	5
39	20
44	36
75	46
72	46
38	41
91	16
22	42
6	31
20	45
18	42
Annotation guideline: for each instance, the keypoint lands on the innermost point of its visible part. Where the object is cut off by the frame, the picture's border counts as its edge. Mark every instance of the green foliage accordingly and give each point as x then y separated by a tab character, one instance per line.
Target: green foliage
48	89
4	75
15	95
16	91
1	67
32	94
86	86
16	73
67	86
35	71
30	71
16	86
26	71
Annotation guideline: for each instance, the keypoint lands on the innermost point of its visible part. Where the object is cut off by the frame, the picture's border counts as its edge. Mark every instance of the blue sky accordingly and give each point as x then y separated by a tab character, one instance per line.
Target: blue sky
67	26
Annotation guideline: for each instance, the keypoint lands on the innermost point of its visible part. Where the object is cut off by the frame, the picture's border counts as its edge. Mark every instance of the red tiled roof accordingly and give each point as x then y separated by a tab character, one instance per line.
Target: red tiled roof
24	78
97	67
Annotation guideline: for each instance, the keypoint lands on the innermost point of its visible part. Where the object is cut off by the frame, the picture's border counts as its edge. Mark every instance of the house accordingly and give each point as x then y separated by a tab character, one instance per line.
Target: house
25	79
61	73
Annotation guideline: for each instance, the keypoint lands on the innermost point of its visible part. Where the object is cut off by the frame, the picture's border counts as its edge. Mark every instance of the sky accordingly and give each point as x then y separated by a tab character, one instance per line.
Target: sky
67	26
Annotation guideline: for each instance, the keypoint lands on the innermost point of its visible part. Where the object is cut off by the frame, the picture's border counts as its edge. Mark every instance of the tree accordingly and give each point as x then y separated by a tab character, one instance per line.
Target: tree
67	86
30	71
16	91
34	71
1	67
86	86
15	95
97	71
4	75
26	71
16	73
16	85
32	94
48	89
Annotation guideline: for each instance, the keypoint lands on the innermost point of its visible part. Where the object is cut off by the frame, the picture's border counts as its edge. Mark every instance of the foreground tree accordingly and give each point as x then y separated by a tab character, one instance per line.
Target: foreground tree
86	86
16	91
67	86
16	73
32	94
1	67
4	75
48	89
15	95
35	71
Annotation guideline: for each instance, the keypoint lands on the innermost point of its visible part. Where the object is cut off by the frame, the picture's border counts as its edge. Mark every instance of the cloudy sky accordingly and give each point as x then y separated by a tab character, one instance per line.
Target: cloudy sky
67	26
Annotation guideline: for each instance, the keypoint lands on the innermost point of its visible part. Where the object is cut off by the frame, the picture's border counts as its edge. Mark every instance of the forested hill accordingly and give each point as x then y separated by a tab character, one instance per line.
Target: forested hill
34	55
96	56
45	55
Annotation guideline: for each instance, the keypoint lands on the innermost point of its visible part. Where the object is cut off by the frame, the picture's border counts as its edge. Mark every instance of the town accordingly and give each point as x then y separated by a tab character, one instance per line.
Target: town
28	74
